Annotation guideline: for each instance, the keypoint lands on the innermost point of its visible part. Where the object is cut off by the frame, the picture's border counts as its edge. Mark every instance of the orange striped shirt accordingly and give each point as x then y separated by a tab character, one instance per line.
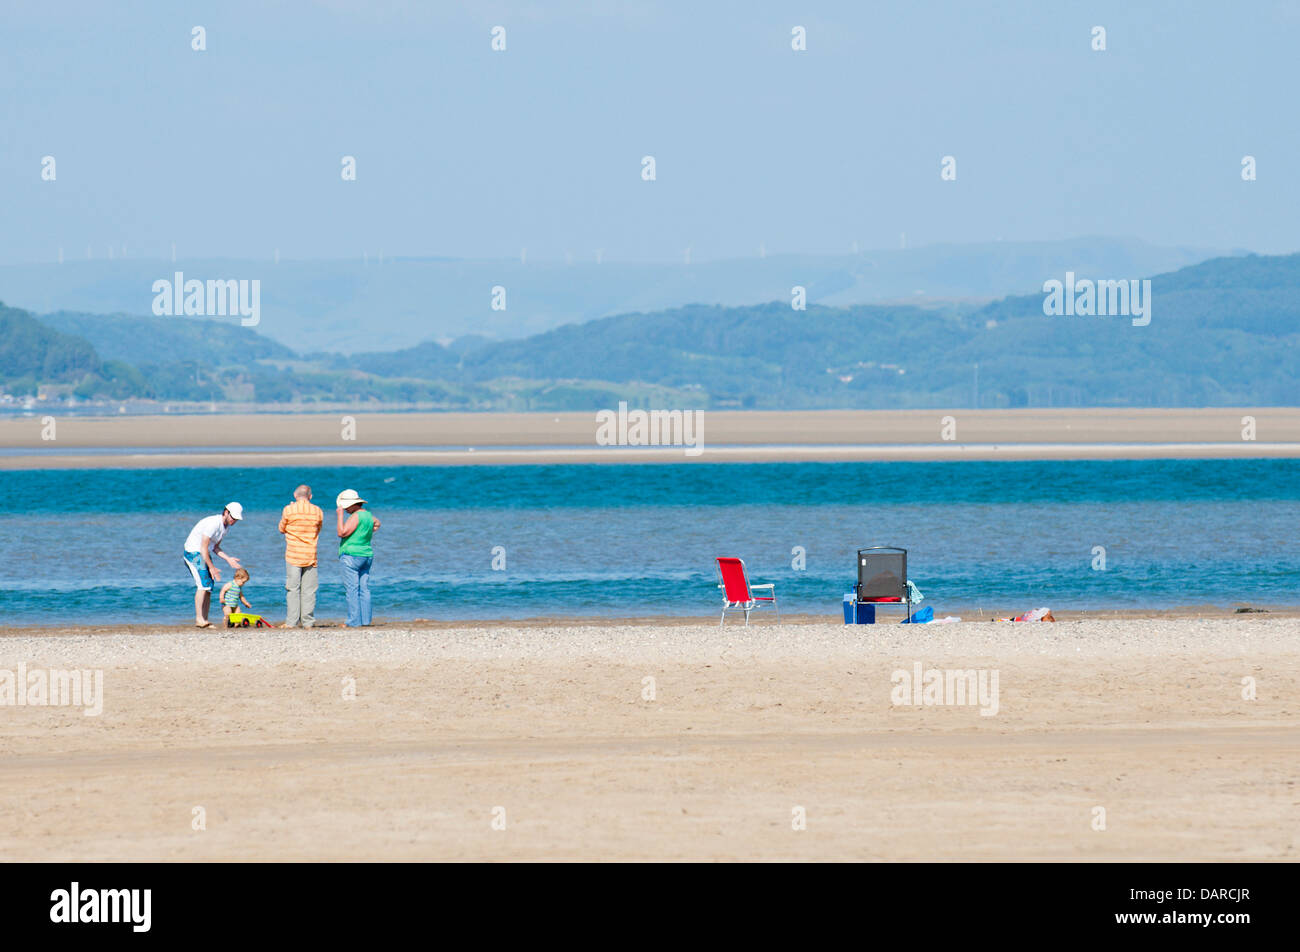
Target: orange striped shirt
301	524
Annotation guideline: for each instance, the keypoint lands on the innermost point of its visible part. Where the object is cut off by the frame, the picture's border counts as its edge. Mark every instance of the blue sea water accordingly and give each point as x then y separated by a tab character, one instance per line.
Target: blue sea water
103	546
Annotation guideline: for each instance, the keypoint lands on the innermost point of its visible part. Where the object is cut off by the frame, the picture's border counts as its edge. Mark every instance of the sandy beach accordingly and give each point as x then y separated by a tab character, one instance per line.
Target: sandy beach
741	436
555	732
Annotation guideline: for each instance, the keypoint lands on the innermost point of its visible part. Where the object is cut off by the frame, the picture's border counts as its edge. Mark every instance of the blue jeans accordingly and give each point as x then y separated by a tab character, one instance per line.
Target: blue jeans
356	582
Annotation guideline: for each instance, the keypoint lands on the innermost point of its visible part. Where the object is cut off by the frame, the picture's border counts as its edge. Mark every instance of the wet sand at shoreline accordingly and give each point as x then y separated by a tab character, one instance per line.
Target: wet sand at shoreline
758	621
739	436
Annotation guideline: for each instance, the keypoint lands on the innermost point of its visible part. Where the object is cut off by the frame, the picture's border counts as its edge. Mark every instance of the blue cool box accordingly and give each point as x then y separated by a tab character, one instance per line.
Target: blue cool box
858	613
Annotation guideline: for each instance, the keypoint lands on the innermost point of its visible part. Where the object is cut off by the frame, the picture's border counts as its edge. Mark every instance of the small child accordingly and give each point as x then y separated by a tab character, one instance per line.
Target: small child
232	593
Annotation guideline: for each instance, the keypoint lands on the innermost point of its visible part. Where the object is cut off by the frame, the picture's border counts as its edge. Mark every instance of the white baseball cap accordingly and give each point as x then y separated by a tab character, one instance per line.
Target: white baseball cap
235	509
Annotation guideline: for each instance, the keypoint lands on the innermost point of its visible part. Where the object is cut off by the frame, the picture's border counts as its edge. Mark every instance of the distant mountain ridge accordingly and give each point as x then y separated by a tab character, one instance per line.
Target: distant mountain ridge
357	305
1223	332
31	348
157	340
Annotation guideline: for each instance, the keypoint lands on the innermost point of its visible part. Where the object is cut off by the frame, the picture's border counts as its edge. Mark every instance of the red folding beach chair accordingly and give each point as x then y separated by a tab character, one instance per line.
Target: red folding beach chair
738	595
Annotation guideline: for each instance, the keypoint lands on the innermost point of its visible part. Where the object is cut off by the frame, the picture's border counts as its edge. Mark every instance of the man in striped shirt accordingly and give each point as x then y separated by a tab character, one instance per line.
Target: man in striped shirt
300	523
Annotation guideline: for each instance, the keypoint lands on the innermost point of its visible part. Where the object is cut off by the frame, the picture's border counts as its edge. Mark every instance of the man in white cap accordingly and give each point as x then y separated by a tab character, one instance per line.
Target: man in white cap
204	540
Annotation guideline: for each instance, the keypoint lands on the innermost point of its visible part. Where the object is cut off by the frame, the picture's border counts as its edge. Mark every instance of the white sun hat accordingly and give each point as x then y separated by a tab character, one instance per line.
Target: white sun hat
347	498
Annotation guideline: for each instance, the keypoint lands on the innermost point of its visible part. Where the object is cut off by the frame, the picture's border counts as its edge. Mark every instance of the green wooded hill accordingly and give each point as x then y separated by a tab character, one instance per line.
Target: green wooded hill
164	340
29	348
1223	332
32	353
345	306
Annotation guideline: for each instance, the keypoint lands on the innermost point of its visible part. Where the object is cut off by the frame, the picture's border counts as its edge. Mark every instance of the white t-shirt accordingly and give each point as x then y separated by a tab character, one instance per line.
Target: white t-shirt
214	527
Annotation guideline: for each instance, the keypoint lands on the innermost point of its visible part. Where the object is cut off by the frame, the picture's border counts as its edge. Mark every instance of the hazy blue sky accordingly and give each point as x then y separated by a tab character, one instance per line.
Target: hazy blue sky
463	151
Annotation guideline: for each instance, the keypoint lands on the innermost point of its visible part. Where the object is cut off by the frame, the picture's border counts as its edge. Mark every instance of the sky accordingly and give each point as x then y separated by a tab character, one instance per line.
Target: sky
469	152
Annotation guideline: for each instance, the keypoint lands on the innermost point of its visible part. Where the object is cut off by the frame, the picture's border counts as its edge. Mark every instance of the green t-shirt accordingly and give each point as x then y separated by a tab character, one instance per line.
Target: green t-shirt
358	543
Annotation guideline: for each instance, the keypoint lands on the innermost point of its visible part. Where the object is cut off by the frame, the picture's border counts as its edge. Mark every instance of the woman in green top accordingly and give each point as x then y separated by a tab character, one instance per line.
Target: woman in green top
356	527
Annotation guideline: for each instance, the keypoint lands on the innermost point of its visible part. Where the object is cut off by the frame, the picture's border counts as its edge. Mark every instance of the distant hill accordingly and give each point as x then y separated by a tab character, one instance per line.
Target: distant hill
764	355
161	340
31	349
33	354
1222	332
355	305
425	360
